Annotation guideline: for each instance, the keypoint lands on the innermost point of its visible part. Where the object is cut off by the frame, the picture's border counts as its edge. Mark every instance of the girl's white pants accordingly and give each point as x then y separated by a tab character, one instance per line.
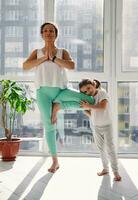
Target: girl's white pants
103	136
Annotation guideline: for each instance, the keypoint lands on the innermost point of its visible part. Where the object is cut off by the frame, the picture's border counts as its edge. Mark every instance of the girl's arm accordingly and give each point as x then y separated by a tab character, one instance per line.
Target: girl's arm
66	61
87	112
101	105
32	61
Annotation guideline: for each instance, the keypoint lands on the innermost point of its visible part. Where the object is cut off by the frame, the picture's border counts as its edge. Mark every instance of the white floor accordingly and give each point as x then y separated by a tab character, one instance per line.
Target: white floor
28	179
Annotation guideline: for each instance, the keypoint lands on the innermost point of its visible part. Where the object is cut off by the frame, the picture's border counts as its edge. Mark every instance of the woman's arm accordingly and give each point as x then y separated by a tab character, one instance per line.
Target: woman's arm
32	61
66	61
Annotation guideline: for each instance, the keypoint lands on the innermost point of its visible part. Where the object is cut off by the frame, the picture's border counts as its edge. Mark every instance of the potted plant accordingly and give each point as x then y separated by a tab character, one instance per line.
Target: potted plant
13	100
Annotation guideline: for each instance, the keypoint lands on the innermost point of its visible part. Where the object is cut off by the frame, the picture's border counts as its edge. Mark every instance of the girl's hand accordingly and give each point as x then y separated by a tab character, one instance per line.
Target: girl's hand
87	112
85	104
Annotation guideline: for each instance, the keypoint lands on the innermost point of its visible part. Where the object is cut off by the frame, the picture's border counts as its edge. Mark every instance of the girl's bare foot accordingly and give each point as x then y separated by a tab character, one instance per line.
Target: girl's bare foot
54	167
55	109
103	172
117	177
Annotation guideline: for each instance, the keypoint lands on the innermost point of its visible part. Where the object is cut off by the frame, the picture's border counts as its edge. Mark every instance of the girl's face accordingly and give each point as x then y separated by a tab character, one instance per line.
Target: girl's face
88	89
49	33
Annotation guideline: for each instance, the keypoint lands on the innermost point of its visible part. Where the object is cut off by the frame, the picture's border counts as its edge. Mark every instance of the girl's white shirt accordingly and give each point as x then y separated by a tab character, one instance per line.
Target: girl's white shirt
101	117
49	73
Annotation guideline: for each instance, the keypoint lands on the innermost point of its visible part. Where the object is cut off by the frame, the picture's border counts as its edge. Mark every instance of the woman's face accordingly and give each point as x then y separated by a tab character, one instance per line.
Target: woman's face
48	33
88	89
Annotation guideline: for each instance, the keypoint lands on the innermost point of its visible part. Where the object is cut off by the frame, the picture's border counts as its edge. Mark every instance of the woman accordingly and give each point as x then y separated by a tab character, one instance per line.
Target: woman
50	65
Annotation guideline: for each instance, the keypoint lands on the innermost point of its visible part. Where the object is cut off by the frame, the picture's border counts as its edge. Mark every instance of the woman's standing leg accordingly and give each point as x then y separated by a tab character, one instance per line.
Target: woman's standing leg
60	126
45	97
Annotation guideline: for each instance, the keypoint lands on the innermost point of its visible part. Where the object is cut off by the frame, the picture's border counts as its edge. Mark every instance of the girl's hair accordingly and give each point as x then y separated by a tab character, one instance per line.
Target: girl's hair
98	83
85	82
49	23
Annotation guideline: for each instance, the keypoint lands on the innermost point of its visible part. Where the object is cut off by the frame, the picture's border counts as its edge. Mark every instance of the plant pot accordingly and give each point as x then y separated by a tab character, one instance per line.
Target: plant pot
0	148
9	149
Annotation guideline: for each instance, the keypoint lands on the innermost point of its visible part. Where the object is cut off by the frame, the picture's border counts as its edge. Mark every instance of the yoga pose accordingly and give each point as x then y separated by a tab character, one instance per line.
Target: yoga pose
50	64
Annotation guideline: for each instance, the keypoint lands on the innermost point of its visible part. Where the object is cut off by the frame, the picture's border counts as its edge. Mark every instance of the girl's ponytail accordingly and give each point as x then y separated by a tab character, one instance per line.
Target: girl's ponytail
98	83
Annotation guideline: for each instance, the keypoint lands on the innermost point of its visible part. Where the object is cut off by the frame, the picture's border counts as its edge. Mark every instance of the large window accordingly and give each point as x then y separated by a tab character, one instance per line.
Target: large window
129	35
29	126
127	74
101	36
19	34
19	28
82	27
127	116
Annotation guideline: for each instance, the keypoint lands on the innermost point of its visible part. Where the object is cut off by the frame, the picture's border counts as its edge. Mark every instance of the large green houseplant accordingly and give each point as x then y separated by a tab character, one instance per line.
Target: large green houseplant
13	99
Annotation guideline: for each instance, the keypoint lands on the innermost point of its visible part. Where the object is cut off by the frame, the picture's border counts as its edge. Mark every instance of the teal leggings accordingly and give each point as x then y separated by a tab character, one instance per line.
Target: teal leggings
70	99
67	98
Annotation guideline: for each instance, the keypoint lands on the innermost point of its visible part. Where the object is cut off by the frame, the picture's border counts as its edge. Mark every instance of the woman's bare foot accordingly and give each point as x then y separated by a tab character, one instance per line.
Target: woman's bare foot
117	177
103	172
54	167
55	109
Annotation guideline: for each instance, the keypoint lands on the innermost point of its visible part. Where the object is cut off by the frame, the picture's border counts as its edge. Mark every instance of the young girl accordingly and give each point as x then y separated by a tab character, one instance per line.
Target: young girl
100	115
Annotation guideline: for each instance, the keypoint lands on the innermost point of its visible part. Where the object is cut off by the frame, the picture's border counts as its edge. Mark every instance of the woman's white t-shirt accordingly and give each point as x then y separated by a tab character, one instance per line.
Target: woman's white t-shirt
101	117
49	73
